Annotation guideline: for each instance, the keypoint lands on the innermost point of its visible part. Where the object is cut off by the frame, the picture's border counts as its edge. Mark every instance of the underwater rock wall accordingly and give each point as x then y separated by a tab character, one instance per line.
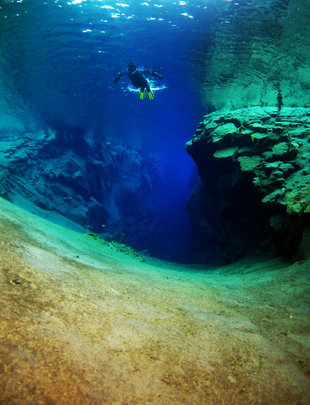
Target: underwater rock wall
254	190
103	187
254	50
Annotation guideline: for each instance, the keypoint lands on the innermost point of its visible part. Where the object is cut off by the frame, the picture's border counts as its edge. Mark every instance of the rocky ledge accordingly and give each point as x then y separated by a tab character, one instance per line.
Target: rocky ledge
254	190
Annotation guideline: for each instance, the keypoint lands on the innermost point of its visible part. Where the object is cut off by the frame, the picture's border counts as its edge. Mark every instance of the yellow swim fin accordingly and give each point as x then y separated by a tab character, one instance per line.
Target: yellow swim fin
150	95
141	94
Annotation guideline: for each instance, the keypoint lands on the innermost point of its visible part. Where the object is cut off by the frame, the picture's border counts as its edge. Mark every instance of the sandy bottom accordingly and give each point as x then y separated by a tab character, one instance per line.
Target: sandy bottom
82	322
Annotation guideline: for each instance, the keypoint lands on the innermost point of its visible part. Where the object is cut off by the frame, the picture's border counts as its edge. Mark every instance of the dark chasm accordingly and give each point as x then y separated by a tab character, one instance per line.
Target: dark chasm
92	155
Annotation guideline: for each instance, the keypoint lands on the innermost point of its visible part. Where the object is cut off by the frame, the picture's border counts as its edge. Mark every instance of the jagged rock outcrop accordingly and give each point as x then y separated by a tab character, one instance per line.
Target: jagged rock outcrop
254	192
105	188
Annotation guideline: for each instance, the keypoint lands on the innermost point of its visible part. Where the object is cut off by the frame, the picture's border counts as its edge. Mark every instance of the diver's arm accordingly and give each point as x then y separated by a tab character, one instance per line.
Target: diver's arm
151	72
120	75
156	74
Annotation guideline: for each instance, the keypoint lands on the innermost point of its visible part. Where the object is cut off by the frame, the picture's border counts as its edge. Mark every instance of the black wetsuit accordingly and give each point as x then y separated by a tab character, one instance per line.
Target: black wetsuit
137	77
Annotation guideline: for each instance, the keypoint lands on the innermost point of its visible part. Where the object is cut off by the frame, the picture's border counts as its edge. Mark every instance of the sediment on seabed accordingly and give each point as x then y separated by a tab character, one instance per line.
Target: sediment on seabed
83	323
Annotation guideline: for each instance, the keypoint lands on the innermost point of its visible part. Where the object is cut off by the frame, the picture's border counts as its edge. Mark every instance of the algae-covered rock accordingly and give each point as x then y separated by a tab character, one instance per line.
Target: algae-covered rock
258	136
249	163
272	197
273	165
221	131
280	149
259	128
225	153
286	167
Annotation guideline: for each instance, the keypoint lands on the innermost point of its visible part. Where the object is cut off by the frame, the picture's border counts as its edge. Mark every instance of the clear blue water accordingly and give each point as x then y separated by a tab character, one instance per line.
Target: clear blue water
59	59
63	57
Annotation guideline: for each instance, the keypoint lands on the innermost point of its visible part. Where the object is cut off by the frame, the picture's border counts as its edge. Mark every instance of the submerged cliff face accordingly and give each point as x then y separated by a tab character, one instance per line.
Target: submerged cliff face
253	50
254	191
106	188
253	152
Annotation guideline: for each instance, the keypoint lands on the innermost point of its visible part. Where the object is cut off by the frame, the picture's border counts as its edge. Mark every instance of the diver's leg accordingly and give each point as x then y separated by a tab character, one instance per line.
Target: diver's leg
150	93
142	93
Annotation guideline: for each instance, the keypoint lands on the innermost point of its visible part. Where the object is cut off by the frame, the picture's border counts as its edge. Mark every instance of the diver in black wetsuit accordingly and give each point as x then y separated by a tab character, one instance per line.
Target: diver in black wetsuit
138	80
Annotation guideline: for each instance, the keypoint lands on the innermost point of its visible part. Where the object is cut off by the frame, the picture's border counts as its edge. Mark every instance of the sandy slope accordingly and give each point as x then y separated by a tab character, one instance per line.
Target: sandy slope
83	323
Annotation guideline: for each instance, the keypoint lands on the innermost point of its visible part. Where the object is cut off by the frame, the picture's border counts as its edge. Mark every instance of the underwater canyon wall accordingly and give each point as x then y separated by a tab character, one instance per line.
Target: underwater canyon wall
254	50
252	149
254	191
104	188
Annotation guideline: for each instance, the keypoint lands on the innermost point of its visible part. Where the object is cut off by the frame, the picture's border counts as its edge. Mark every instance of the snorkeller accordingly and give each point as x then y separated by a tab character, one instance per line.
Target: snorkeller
137	77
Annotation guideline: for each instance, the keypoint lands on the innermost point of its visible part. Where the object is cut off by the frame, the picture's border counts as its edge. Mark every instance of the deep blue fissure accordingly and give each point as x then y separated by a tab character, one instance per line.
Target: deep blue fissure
59	62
